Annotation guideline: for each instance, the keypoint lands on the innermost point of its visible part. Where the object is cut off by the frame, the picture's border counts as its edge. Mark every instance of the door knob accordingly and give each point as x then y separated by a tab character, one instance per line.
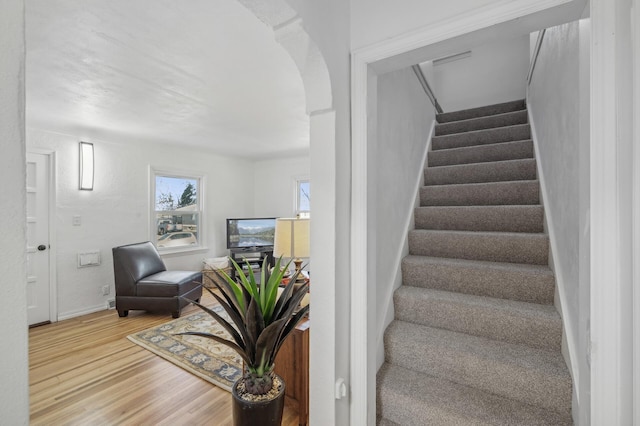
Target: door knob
42	247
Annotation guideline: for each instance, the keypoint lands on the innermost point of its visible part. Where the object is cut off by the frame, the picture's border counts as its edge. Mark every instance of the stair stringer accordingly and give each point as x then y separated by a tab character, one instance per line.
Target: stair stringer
569	344
389	311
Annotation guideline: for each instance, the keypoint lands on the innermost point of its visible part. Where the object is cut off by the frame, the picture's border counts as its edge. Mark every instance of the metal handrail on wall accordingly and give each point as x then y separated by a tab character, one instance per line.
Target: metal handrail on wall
536	52
427	89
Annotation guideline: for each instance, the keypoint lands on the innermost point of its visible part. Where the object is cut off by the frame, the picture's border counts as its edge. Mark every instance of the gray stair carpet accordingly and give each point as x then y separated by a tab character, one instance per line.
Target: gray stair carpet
481	194
496	171
476	338
482	153
492	121
517	132
484	111
481	218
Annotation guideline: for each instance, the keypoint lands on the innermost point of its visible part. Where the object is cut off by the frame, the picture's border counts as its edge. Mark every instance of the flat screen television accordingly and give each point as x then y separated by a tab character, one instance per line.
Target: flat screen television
250	232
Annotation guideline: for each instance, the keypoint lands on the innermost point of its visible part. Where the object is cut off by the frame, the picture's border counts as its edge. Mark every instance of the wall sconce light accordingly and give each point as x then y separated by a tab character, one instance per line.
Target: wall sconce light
86	166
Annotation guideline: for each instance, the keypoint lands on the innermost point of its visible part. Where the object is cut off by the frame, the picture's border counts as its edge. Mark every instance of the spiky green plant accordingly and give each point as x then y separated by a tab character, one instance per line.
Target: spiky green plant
262	320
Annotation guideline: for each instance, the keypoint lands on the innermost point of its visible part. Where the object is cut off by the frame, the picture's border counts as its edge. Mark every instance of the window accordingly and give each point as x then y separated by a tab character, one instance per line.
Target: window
177	211
303	198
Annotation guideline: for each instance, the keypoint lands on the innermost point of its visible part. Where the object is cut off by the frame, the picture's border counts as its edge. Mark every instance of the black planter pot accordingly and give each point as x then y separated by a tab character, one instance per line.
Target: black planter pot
257	413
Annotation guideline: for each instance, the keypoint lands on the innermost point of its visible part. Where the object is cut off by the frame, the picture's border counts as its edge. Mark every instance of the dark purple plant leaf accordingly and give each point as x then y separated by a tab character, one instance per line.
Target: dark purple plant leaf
291	325
292	303
254	324
249	342
230	329
257	337
267	342
230	300
284	296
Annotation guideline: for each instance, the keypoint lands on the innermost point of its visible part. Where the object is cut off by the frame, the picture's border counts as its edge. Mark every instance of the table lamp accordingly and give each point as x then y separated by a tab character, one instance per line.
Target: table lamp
292	241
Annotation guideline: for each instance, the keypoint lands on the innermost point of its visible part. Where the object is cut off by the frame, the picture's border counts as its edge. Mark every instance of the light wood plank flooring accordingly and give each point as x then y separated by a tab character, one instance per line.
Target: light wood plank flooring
84	371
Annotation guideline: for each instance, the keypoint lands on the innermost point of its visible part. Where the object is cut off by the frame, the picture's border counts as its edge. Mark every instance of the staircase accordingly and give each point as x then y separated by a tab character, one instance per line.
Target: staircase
476	338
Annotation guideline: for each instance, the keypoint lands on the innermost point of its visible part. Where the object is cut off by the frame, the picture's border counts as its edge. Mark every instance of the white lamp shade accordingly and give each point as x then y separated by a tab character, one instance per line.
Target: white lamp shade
292	238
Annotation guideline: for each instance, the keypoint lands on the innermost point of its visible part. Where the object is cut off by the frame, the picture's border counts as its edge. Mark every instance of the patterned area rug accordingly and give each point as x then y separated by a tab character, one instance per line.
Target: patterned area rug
203	357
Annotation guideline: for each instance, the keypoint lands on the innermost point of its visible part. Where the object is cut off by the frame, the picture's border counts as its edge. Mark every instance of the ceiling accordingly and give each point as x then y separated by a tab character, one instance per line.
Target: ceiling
200	73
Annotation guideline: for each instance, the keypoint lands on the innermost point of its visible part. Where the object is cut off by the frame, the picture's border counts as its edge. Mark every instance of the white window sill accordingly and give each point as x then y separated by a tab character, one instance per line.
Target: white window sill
182	251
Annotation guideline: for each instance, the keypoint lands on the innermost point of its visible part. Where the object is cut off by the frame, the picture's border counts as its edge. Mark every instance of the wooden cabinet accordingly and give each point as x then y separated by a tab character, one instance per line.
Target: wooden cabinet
292	364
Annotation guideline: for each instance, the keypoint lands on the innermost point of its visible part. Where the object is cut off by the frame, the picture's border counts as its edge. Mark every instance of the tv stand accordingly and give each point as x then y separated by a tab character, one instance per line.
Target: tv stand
254	255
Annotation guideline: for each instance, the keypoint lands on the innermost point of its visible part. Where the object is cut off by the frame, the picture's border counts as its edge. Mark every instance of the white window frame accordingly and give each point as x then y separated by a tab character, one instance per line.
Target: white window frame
200	210
296	188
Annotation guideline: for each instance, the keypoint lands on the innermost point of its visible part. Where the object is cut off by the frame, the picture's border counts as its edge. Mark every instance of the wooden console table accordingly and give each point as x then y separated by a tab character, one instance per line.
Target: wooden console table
292	364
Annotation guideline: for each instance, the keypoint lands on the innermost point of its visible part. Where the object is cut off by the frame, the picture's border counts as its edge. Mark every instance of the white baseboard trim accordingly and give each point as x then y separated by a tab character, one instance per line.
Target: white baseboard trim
79	313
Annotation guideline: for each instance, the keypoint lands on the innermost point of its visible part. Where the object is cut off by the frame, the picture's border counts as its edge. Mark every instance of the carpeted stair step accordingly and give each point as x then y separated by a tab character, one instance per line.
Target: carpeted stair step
492	246
530	324
467	114
517	132
497	171
533	376
525	283
481	218
411	398
487	193
481	153
481	123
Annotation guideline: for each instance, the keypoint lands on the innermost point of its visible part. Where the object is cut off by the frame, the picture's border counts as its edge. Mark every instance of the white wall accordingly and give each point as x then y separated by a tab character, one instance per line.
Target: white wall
14	392
635	54
117	211
613	400
275	188
377	20
275	185
582	414
559	110
405	116
493	73
328	24
392	45
626	116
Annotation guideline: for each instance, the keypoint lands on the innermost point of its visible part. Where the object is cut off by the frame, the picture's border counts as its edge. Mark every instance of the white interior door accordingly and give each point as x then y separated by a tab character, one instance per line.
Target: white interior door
38	262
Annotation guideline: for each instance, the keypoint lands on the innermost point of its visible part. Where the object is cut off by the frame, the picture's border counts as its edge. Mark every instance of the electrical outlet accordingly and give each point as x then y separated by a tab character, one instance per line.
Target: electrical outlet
105	290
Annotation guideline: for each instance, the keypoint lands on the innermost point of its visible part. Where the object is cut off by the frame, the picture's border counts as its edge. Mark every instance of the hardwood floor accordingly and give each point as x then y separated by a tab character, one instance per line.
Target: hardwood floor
84	371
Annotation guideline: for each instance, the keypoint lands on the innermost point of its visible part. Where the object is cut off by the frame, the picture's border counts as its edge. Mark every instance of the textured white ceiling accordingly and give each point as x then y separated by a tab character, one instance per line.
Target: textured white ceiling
204	73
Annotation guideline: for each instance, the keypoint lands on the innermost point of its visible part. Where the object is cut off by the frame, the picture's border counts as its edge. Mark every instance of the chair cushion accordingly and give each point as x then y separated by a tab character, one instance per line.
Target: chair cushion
137	260
168	283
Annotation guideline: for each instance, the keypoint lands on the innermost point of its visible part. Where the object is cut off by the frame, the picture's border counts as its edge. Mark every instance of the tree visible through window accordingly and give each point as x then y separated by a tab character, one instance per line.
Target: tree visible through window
303	198
188	196
177	210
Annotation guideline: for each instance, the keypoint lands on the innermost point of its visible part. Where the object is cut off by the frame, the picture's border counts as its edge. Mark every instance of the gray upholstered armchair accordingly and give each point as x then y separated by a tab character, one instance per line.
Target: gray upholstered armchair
143	282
